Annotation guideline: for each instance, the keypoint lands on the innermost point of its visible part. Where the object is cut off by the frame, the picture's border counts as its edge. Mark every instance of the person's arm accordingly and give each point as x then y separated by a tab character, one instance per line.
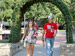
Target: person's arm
55	33
43	35
36	34
44	28
24	34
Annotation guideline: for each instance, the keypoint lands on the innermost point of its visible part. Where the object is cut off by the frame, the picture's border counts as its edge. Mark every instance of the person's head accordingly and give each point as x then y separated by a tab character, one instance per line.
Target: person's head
35	26
50	19
30	24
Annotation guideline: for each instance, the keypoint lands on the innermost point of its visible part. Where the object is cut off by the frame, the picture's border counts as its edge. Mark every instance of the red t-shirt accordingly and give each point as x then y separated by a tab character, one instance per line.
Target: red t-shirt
36	25
50	27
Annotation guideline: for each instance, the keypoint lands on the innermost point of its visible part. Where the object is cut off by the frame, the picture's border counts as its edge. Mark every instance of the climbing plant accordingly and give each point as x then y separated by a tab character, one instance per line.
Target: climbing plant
22	6
15	25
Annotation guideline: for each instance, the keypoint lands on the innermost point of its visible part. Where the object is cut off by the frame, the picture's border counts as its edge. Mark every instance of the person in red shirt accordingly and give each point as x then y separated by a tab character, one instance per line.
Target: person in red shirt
36	25
57	25
50	29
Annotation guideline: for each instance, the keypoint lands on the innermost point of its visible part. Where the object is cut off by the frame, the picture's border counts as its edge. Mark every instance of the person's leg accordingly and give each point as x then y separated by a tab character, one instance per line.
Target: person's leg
27	48
48	47
32	49
52	44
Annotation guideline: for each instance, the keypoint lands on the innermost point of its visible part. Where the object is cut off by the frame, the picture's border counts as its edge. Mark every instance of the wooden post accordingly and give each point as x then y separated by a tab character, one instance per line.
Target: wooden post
24	21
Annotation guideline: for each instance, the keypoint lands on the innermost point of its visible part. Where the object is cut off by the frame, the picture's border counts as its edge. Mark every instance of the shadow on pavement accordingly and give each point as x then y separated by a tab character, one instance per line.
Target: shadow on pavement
39	50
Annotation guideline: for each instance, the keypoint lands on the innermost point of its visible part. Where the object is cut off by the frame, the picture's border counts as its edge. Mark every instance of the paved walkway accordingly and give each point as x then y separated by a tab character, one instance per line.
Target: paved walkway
39	50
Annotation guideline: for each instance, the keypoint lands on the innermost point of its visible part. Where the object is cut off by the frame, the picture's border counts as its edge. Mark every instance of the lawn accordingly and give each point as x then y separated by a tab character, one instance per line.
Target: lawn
74	42
62	30
3	41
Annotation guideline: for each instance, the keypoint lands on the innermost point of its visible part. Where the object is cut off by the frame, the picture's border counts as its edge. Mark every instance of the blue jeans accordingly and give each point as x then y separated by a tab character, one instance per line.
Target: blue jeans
49	46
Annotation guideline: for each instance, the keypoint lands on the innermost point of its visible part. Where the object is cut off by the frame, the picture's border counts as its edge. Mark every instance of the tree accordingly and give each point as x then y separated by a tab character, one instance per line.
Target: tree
42	10
18	11
72	8
6	7
65	11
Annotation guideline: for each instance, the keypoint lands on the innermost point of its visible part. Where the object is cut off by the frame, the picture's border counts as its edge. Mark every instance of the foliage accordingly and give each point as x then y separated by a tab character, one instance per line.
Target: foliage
6	9
45	20
71	5
10	11
39	9
16	26
72	8
65	11
42	10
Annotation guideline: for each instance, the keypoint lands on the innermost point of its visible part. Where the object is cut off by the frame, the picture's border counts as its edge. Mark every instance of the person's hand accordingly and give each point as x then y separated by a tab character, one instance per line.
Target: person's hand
21	41
34	35
42	39
43	42
54	35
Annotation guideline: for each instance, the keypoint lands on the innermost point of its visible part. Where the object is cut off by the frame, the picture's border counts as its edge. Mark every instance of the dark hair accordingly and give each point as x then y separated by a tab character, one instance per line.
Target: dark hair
29	22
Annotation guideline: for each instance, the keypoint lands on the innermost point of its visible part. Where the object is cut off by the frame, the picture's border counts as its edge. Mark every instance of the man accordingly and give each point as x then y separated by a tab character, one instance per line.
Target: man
50	29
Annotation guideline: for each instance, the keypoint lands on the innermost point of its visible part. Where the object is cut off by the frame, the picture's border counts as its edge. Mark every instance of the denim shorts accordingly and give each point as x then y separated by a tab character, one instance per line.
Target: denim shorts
27	43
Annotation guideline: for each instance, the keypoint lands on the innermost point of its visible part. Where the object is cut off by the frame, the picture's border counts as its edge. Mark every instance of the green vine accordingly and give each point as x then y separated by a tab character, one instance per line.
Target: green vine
22	7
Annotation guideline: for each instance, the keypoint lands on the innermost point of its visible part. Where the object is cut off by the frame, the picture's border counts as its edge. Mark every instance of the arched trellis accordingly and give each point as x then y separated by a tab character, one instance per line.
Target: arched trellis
63	8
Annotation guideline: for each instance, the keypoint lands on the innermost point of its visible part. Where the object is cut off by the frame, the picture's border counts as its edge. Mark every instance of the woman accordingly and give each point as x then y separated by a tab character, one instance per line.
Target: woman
30	38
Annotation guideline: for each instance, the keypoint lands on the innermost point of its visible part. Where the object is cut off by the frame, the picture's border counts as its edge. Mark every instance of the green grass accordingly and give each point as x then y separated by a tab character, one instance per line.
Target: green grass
62	30
74	42
3	41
